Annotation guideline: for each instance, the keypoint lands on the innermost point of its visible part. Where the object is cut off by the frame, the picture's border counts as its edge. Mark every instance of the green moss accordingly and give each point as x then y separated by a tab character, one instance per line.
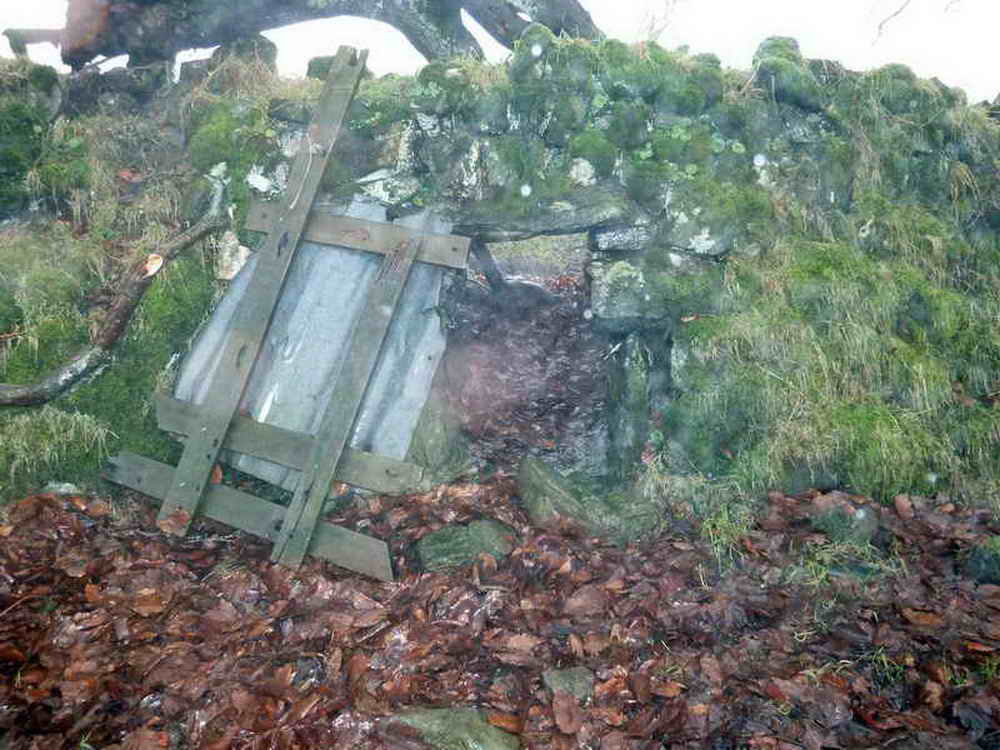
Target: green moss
531	178
784	47
444	88
55	336
10	312
647	181
681	292
48	275
43	78
881	449
628	124
551	86
836	364
243	136
64	163
381	103
593	146
686	143
789	82
319	67
168	316
22	129
688	86
728	210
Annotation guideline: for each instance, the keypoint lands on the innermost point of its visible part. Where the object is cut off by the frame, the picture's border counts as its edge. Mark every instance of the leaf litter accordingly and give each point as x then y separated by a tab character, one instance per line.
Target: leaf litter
115	635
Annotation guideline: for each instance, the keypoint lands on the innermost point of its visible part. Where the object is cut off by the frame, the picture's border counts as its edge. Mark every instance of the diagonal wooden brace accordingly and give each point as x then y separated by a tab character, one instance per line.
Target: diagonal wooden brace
254	312
338	421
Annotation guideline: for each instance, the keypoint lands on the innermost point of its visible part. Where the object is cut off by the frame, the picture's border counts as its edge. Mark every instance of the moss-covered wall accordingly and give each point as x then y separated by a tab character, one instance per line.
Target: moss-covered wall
818	246
812	252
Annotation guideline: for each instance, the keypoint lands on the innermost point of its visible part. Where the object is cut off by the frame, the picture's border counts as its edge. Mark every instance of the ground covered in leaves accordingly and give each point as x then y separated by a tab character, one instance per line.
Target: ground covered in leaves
114	635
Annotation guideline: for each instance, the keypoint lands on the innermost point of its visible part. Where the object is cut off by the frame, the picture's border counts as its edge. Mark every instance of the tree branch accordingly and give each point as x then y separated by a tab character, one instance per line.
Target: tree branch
878	34
154	30
90	359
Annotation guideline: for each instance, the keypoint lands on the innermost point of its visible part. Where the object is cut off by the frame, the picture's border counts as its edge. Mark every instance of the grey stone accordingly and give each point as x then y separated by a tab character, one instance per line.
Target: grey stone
577	681
595	206
626	238
619	296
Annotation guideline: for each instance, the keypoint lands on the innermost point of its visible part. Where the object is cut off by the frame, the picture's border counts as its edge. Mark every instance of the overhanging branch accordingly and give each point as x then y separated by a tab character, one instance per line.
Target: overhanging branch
93	357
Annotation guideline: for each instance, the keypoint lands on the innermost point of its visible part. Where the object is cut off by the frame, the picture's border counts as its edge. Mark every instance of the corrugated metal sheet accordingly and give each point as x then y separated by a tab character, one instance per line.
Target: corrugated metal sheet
306	345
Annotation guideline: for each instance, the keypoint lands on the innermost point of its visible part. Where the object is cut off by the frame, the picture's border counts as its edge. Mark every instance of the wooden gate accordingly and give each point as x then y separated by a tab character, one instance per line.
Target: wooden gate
325	457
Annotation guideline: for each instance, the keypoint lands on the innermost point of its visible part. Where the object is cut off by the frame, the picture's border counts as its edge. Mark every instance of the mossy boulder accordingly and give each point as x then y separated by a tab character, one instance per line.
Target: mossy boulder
30	96
594	146
454	546
617	514
783	73
447	729
438	445
255	49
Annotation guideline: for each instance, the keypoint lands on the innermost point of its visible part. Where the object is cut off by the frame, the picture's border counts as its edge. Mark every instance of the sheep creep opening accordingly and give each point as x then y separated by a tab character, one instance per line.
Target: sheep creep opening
305	374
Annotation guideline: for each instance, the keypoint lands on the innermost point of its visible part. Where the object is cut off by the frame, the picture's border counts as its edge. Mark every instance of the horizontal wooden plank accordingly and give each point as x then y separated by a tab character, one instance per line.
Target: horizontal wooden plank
289	448
371	236
348	549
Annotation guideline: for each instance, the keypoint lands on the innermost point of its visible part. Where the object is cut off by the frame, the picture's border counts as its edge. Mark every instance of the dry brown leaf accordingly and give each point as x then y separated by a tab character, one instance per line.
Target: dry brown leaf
224	617
595	643
922	618
641	687
98	508
614	741
613	717
567	712
11	653
711	668
506	722
589	599
303	706
148	602
667	688
146	739
932	694
522	642
981	648
175	523
357	667
903	505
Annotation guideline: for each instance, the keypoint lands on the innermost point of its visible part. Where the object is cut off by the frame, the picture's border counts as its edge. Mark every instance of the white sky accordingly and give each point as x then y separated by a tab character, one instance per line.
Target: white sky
954	40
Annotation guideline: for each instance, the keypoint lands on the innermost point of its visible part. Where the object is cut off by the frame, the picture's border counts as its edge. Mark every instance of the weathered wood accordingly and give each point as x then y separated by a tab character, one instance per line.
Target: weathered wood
254	312
292	449
450	251
369	333
348	549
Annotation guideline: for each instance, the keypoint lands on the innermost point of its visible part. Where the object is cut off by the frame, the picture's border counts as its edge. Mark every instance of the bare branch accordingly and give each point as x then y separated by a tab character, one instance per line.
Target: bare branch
90	359
881	26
